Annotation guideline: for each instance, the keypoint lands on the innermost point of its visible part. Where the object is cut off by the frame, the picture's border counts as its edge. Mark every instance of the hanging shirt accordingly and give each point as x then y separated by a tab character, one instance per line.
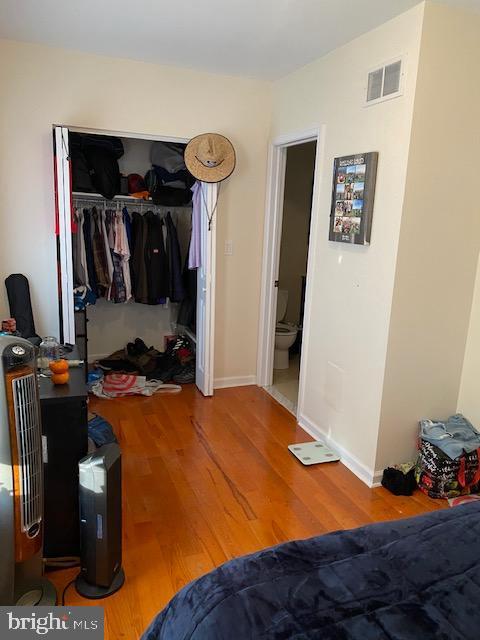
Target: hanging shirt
108	254
99	255
139	267
194	253
156	260
118	292
123	250
80	270
176	291
87	234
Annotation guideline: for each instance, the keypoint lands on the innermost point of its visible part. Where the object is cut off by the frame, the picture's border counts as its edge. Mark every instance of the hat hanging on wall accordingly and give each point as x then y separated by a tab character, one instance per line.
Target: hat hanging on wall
210	157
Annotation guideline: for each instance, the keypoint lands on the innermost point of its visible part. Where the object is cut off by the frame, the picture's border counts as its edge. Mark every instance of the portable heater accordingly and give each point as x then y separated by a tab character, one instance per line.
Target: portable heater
21	474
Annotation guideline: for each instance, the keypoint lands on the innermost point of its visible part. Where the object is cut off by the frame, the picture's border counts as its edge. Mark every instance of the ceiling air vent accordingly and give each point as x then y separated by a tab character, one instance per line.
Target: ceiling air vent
385	82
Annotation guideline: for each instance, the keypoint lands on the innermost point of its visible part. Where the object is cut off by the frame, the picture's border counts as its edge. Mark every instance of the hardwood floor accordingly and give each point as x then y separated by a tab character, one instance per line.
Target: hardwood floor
206	480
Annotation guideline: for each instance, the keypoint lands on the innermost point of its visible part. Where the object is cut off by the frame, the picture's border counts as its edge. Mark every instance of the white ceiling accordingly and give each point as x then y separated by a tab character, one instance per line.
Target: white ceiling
257	38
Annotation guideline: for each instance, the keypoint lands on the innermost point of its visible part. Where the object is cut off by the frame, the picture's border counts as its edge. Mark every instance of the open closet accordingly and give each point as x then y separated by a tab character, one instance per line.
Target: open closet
132	263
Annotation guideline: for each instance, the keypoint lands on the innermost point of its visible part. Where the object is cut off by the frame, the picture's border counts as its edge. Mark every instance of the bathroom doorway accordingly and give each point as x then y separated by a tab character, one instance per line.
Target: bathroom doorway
294	238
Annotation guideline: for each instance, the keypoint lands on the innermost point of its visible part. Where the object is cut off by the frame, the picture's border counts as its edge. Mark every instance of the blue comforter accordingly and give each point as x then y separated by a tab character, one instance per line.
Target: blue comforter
414	579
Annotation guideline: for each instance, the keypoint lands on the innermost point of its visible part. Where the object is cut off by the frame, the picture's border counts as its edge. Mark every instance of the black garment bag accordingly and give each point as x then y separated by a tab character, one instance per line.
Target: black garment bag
18	292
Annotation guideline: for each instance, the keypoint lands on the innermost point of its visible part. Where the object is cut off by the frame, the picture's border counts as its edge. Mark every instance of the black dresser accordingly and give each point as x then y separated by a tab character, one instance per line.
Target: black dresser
65	441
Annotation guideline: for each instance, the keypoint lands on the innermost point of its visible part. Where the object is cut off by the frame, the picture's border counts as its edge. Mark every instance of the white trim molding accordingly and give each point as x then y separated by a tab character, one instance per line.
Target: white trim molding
235	381
367	475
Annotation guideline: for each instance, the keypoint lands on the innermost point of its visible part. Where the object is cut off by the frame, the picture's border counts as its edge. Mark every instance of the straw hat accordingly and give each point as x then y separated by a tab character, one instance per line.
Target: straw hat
210	157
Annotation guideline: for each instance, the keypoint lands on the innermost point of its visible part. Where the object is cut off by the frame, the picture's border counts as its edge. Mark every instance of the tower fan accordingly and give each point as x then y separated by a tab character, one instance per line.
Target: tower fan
21	475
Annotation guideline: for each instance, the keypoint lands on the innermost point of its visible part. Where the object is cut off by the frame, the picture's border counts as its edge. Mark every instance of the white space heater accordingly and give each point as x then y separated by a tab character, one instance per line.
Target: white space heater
21	479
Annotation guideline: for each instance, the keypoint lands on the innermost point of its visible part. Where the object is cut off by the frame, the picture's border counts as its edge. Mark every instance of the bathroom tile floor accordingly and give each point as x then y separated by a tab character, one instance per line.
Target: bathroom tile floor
285	384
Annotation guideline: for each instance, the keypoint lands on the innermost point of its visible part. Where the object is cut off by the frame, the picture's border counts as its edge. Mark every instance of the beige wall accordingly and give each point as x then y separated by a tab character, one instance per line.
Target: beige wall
439	239
41	86
469	397
352	285
297	207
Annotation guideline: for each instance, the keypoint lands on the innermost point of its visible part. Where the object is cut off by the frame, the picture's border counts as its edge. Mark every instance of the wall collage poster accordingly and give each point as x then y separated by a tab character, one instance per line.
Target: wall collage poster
353	194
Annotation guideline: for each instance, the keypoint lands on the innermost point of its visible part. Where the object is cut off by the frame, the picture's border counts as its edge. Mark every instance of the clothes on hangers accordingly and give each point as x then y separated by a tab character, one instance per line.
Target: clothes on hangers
118	257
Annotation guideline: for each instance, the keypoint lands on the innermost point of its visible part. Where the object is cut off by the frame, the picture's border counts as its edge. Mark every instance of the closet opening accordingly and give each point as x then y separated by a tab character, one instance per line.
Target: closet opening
131	257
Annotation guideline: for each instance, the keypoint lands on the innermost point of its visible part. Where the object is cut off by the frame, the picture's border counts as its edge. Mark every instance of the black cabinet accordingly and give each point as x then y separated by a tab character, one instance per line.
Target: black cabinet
65	442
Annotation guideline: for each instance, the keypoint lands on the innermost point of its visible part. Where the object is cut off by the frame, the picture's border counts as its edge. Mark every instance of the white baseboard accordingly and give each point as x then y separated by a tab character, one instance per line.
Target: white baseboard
377	478
235	381
368	476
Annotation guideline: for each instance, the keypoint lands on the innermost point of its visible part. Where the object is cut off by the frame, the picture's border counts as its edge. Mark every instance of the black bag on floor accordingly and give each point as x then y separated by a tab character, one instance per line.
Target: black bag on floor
18	292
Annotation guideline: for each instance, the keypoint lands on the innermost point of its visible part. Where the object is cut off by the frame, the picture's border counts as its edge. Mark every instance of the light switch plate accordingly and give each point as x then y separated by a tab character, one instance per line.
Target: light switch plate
228	248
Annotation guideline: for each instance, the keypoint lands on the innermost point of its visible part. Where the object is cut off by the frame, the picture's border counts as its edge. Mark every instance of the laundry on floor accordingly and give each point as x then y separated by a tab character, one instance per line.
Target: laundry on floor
118	385
448	463
176	364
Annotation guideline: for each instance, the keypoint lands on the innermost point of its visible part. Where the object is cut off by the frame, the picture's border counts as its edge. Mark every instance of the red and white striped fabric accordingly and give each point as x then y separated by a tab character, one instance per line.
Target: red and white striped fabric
116	385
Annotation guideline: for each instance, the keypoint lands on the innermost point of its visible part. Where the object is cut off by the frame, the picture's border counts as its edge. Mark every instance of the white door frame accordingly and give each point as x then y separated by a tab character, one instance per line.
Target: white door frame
271	252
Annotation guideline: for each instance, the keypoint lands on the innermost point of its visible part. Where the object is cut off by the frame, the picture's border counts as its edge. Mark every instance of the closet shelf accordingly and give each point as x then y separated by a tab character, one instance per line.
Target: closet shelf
98	196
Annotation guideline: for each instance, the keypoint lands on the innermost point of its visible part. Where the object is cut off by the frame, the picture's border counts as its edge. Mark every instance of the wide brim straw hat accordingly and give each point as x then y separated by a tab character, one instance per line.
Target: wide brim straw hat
210	157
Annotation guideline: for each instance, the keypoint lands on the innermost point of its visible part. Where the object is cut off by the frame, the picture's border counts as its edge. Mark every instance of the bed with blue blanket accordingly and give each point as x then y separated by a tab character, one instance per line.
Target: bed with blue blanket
413	579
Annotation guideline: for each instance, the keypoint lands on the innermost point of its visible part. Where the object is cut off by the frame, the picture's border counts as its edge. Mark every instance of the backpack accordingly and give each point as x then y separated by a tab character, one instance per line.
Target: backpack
99	156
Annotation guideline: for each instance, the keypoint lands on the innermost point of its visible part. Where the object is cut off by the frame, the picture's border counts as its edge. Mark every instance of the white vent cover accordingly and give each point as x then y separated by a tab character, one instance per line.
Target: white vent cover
385	82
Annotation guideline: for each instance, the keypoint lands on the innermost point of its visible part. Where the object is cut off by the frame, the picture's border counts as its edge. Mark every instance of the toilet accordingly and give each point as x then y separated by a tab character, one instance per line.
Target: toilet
285	333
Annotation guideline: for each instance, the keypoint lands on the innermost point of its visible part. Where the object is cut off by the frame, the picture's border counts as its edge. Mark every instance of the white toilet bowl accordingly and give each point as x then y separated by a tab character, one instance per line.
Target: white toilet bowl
285	333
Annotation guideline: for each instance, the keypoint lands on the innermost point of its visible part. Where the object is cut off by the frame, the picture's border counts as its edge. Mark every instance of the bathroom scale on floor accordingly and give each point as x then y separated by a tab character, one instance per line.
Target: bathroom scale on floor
313	452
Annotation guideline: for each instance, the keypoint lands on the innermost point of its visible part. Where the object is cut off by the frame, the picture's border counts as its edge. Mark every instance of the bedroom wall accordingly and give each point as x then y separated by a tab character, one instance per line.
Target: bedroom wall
439	242
352	285
44	85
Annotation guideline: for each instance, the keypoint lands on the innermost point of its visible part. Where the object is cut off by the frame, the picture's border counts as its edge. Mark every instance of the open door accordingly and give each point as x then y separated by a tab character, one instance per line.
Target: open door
206	292
63	231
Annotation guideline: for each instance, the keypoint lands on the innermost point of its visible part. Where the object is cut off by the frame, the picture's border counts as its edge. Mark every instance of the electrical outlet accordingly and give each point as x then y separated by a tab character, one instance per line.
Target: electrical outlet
228	248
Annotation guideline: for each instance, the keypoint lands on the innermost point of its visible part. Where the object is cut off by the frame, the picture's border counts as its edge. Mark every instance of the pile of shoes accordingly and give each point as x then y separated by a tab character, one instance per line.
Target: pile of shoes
176	363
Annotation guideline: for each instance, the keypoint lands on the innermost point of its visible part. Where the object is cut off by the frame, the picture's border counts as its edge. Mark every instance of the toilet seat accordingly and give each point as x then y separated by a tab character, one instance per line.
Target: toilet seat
285	329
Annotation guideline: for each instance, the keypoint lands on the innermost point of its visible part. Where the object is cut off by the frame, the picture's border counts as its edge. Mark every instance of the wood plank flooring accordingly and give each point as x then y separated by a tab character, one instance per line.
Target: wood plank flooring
206	480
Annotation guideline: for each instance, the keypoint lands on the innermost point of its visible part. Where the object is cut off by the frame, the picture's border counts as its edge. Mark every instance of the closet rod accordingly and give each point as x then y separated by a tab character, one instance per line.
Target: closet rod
138	202
109	204
97	197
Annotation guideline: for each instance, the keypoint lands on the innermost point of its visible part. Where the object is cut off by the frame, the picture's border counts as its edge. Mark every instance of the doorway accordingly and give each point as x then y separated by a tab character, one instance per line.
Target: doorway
284	309
126	319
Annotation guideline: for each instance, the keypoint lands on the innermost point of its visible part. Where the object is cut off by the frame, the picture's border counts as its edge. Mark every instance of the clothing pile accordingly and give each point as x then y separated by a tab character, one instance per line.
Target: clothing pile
168	181
448	463
120	385
119	257
176	363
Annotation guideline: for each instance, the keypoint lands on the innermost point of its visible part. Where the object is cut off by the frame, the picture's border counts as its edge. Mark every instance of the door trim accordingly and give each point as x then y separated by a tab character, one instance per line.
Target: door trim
271	252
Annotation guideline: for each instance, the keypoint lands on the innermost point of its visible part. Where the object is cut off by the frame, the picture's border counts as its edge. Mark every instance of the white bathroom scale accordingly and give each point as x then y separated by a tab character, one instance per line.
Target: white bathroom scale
313	452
